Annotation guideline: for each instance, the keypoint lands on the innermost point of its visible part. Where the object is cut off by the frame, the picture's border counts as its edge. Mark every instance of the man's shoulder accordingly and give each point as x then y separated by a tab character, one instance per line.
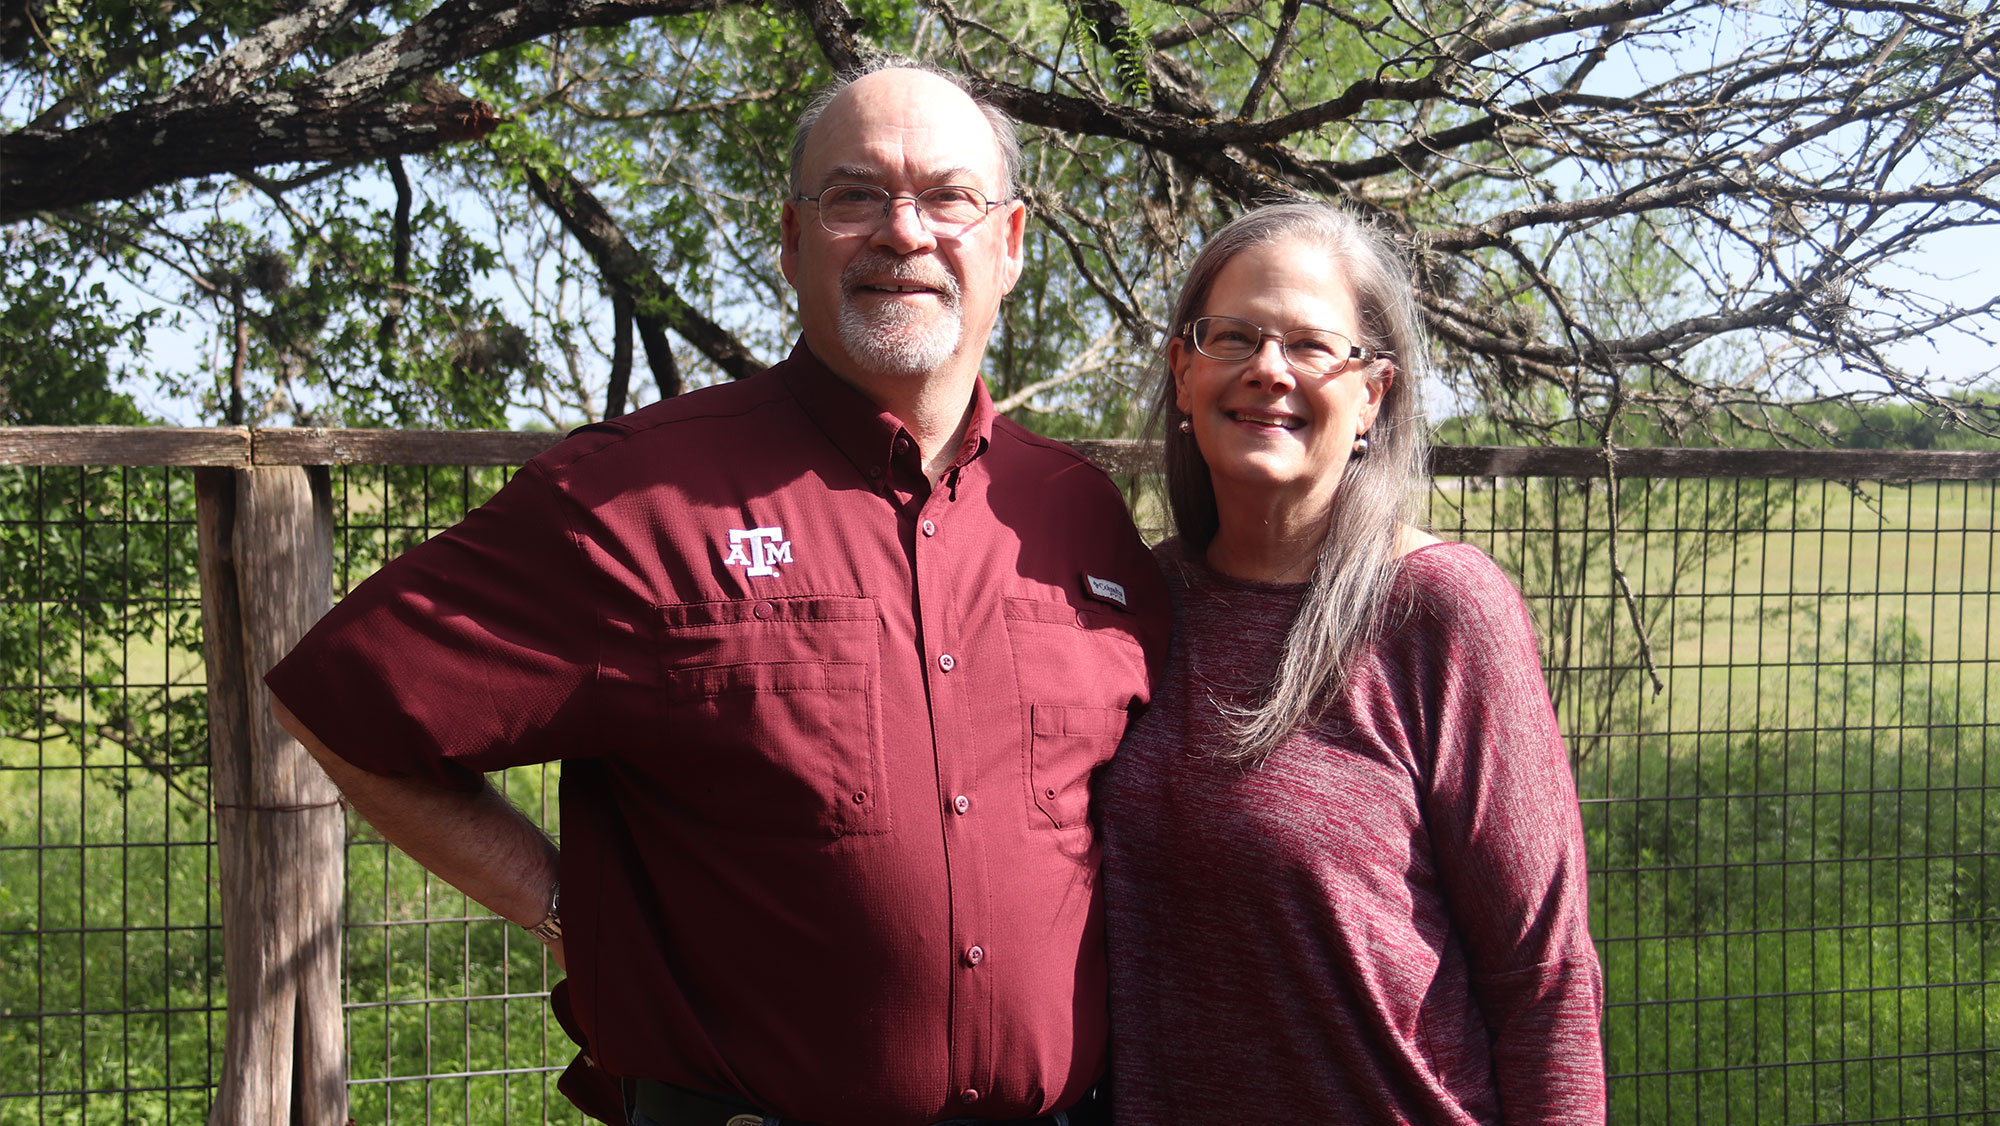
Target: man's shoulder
696	424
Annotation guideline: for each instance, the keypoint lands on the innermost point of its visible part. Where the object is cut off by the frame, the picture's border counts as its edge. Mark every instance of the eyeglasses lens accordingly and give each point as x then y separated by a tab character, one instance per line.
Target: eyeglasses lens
1317	351
852	209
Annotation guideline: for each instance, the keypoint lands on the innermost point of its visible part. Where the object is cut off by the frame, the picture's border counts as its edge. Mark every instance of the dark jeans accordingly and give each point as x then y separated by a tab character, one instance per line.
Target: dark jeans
637	1117
641	1118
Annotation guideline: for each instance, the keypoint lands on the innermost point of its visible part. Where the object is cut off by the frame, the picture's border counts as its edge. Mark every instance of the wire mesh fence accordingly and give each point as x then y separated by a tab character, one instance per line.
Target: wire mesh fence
1777	695
447	1016
110	989
1788	785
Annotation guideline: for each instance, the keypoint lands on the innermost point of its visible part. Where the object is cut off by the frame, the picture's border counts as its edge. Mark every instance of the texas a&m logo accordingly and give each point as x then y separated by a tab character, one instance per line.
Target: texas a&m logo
759	549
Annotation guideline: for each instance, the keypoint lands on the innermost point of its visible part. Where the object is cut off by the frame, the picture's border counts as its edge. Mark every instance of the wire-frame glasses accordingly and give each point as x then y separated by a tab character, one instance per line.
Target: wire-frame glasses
947	210
1315	351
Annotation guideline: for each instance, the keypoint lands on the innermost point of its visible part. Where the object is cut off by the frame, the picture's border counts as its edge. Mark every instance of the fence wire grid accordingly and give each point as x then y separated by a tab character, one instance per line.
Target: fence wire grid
1777	696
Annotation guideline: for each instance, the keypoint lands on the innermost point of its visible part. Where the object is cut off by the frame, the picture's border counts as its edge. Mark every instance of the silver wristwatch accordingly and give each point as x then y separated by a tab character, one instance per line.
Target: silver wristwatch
550	928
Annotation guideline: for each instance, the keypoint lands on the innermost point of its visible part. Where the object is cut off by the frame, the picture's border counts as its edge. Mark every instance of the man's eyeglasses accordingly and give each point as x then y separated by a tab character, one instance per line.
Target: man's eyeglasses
947	210
1315	351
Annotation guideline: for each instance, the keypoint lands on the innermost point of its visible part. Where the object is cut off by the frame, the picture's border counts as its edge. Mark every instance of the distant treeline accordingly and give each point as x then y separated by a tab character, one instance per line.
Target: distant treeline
1900	426
1822	425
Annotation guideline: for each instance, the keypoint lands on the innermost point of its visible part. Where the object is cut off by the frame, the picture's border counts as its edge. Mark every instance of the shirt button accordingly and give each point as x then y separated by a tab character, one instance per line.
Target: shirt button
947	662
874	471
930	529
763	610
961	803
969	1095
974	955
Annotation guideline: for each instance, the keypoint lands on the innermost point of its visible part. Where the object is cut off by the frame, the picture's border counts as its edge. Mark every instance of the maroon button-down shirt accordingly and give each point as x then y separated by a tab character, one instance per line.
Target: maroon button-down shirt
828	735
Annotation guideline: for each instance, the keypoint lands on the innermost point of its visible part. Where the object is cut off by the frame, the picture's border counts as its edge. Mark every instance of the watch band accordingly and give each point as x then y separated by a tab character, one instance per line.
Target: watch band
550	928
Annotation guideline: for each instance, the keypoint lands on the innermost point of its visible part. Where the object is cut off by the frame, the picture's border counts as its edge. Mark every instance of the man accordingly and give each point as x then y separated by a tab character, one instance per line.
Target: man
829	655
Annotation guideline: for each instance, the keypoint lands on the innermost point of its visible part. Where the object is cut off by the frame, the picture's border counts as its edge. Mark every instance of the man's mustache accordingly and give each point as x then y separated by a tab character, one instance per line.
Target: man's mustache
876	268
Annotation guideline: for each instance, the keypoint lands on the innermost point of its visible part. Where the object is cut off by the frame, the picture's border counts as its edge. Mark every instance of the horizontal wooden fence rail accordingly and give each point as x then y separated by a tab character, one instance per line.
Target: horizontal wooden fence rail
241	448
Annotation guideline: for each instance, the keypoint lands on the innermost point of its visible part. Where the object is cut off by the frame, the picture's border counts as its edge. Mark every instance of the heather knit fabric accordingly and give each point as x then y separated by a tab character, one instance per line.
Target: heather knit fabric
1385	922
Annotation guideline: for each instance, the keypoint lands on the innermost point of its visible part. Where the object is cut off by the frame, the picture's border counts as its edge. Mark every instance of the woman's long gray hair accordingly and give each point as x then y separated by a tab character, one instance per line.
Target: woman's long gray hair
1345	599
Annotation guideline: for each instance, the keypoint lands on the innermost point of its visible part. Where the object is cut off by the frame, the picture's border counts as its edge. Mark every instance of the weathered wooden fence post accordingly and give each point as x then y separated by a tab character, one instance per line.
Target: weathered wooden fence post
266	542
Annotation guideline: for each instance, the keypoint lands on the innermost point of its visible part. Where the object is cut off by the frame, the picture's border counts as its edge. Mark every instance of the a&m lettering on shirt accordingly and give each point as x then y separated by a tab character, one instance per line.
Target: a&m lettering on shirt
759	549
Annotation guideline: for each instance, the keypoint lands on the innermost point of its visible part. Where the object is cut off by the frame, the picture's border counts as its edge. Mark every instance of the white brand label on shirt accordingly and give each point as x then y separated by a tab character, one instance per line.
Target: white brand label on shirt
1106	590
758	549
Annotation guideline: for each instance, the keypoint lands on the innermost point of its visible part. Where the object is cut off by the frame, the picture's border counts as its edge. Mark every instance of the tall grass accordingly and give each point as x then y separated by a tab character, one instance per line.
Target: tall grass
1797	924
110	963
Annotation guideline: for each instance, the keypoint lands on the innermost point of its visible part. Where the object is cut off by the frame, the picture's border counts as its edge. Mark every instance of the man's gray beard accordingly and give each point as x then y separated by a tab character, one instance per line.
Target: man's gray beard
902	342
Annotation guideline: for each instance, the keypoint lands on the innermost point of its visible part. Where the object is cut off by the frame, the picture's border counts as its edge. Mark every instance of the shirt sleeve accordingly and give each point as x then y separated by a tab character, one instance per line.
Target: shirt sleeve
1508	840
475	651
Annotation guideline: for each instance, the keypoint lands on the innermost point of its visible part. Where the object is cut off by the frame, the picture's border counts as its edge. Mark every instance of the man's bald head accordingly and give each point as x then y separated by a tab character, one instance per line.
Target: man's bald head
1006	139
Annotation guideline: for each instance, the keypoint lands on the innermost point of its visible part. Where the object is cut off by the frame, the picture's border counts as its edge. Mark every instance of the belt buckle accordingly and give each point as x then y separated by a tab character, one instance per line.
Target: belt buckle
744	1120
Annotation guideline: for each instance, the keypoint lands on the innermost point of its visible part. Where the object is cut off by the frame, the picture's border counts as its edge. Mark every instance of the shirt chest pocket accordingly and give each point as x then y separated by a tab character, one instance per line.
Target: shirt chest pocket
1079	671
771	717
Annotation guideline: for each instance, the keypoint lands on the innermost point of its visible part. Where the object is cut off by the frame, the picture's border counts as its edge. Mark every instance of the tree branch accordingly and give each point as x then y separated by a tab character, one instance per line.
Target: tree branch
1204	26
1089	359
629	271
251	59
620	382
125	155
834	29
1281	45
399	236
340	115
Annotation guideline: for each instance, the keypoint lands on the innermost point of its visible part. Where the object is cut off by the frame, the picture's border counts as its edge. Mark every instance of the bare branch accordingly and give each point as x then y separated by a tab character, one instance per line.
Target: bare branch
1204	26
125	155
1281	46
1475	45
629	271
1082	363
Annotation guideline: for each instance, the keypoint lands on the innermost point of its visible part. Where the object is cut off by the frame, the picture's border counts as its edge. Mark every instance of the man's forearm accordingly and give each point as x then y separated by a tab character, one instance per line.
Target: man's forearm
474	840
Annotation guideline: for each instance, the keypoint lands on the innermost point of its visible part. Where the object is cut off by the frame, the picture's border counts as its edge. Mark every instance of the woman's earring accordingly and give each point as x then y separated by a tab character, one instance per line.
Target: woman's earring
1187	426
1361	445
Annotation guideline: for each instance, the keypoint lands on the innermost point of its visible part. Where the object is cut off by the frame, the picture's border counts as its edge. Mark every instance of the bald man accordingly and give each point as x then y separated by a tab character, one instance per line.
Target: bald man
829	656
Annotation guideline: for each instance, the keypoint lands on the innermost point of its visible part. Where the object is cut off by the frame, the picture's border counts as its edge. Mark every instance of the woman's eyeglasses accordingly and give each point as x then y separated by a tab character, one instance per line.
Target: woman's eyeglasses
1315	351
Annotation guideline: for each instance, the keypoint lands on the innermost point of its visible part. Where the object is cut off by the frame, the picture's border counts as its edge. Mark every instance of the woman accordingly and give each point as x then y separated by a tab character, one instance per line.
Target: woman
1343	854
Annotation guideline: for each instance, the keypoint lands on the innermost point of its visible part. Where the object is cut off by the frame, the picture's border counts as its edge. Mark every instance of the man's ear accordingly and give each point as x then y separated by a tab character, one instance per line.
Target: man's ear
1015	256
789	232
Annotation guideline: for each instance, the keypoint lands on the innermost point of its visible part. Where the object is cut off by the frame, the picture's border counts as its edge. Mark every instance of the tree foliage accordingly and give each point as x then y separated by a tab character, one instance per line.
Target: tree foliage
1681	214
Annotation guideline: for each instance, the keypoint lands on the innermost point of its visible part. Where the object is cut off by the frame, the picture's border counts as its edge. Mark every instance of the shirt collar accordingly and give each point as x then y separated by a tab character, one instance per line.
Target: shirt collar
979	431
865	433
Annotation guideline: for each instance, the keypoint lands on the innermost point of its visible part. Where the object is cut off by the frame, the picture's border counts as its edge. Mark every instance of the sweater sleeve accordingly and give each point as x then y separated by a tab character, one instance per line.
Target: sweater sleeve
1502	814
